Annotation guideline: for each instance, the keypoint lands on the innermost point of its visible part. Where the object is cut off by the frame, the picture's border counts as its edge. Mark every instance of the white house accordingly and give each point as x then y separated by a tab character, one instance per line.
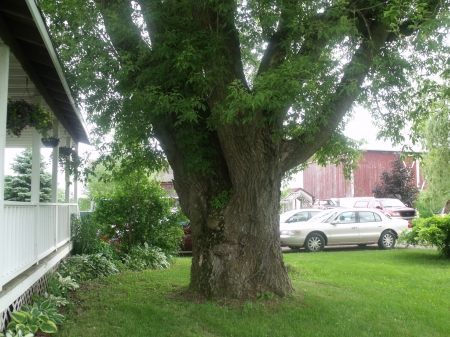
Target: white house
34	236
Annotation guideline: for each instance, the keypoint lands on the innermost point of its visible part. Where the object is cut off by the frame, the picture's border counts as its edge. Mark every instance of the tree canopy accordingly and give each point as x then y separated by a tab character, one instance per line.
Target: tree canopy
436	159
234	94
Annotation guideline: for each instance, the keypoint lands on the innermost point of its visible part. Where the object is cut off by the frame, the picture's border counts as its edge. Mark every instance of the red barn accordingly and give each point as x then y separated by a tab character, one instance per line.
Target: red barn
329	182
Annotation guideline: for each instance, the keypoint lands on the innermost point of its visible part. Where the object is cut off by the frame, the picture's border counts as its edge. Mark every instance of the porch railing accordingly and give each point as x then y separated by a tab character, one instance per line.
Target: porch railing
29	233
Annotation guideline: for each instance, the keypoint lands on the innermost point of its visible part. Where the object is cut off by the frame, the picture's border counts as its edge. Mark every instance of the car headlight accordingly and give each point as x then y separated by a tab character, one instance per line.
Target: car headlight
395	213
290	233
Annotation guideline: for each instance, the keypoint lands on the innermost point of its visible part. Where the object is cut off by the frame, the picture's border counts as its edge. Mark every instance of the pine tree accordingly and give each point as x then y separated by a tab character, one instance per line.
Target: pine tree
397	183
18	186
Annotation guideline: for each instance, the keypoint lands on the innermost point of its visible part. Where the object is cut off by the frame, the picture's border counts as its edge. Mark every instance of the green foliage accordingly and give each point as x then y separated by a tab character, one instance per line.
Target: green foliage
423	210
87	267
397	183
61	286
434	231
11	333
146	257
69	161
85	235
21	114
222	199
98	182
139	212
437	156
84	204
36	317
18	187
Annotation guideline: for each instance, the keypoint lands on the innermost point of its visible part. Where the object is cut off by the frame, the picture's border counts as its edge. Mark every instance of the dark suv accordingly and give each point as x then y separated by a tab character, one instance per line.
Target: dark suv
391	206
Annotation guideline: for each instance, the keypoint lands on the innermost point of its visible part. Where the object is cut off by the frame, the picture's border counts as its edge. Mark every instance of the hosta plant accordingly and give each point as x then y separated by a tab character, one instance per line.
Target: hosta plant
146	257
10	333
87	267
31	321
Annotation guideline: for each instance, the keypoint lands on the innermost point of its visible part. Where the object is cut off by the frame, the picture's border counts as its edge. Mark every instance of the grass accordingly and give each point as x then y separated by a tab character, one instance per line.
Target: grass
403	292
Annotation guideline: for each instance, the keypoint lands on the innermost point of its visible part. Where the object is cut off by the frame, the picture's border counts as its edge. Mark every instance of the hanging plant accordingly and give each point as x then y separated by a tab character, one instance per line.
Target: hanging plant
69	160
50	142
21	114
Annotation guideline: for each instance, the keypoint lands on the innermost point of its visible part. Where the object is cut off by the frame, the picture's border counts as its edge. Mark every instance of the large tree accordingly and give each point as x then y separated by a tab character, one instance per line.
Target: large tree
238	93
18	186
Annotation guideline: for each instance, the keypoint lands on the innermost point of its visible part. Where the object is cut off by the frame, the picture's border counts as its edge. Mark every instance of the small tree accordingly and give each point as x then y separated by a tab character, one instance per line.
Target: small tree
18	187
397	183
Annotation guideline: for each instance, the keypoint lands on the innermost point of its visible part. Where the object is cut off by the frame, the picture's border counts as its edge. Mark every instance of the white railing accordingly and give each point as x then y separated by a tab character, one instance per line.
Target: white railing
31	232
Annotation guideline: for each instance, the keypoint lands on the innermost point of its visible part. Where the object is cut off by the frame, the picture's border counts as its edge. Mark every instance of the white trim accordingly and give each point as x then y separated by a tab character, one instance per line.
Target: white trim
29	279
4	75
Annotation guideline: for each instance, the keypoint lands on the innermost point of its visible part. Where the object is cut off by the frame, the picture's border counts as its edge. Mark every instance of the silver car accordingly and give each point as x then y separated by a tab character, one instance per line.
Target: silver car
351	226
299	215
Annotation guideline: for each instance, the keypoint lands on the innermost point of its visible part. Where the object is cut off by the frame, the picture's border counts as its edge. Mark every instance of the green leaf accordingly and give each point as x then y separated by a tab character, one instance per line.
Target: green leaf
35	312
49	327
20	316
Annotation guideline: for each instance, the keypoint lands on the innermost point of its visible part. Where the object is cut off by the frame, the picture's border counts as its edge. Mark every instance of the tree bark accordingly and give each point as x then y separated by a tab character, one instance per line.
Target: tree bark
236	249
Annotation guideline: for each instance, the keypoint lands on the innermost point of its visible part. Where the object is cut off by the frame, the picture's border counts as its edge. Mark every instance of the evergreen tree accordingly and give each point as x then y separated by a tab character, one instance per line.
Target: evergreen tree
397	183
18	186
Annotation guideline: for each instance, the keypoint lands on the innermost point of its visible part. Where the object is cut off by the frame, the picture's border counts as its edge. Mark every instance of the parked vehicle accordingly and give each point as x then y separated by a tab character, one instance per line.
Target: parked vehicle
343	227
445	210
186	244
324	204
298	215
394	207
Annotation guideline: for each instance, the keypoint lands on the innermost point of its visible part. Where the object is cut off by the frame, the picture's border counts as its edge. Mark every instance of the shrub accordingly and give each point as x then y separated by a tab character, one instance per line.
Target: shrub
87	267
146	257
139	213
61	286
84	235
433	231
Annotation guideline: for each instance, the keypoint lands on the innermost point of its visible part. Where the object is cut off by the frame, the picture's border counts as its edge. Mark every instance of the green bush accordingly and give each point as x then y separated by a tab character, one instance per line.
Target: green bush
84	235
146	257
61	286
87	267
433	231
139	213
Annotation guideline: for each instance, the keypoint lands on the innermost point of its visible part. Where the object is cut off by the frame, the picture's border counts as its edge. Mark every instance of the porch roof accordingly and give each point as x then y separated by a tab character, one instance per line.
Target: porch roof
34	65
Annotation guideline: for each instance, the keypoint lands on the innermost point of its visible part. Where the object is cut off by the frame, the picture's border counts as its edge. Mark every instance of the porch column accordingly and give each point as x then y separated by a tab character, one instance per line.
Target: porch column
75	181
67	176
55	157
4	74
36	161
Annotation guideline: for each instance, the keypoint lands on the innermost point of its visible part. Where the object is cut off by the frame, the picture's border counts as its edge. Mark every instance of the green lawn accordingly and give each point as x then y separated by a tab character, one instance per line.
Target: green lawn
404	292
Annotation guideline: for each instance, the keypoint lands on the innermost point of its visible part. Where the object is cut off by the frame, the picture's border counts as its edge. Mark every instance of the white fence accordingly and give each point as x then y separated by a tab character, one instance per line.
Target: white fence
29	232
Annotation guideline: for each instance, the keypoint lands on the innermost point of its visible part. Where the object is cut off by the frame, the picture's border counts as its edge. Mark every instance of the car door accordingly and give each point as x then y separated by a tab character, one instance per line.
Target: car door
344	229
370	226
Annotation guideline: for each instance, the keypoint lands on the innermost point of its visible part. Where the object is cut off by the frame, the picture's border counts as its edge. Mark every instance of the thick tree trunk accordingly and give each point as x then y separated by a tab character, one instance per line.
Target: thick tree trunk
237	252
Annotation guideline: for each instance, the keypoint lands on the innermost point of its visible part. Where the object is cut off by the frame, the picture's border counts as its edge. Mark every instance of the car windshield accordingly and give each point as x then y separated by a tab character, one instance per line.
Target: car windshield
324	216
386	203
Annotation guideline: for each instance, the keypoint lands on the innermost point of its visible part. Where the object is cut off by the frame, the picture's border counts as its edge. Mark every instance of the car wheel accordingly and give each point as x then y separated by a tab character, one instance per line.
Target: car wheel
314	243
387	240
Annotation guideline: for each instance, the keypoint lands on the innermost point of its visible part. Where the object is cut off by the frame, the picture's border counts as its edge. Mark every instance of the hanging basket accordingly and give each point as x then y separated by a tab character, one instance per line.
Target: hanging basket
51	142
